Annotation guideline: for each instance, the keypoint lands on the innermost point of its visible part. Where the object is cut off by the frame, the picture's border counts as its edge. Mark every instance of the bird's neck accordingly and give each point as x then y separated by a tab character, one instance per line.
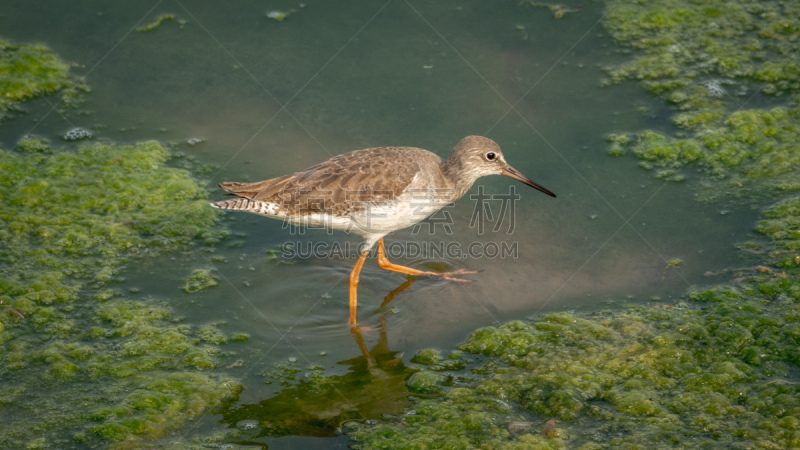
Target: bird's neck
460	179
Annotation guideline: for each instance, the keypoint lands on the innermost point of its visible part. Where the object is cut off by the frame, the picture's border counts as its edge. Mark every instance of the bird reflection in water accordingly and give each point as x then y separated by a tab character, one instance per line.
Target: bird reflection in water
374	386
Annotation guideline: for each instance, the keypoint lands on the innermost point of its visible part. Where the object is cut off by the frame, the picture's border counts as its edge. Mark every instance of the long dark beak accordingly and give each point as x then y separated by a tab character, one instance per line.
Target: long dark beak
513	173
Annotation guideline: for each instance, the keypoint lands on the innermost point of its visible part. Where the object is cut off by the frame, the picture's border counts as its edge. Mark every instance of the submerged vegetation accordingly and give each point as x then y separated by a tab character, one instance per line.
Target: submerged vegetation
712	62
81	362
28	71
85	363
159	20
69	222
718	369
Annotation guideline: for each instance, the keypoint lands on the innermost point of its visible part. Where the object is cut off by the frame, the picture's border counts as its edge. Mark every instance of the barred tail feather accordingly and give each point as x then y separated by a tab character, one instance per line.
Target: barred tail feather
238	204
251	206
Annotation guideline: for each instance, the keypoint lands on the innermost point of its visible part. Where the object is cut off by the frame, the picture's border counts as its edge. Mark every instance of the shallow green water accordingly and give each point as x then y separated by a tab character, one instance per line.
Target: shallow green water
393	73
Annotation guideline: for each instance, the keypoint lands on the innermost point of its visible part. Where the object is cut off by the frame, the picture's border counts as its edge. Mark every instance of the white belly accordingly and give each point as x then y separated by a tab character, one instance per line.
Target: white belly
376	220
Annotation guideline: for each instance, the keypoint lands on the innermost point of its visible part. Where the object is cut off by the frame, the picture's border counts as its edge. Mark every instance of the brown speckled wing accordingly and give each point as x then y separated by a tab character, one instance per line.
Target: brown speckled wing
341	184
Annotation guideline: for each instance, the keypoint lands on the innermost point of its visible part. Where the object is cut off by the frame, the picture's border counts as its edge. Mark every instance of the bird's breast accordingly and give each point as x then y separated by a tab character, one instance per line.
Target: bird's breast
411	207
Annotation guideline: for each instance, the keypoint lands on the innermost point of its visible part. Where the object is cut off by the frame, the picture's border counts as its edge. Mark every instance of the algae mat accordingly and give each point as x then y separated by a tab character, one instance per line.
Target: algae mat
71	320
29	71
80	363
716	370
70	223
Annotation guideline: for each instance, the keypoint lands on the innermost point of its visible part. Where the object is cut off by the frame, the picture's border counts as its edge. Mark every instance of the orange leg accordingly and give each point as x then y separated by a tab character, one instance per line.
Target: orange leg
354	286
384	263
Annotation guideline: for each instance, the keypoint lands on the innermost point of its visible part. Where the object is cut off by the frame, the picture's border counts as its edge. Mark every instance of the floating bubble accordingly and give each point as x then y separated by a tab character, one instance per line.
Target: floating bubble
247	424
77	134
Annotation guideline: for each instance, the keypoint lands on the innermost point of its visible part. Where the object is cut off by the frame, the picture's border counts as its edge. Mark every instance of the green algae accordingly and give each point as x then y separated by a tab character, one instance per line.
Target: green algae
680	45
672	264
781	223
720	368
70	222
279	16
199	279
746	151
240	337
427	356
462	418
435	362
212	335
33	70
159	20
709	60
425	382
104	203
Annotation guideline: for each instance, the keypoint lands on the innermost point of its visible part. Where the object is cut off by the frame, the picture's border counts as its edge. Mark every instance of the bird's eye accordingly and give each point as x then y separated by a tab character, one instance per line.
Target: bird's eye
491	156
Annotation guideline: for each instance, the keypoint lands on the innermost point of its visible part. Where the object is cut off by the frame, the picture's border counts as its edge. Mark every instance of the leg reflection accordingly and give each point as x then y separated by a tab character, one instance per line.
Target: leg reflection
394	293
380	357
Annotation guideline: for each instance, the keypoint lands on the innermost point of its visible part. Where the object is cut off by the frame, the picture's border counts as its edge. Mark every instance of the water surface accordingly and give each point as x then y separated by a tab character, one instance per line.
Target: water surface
269	98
